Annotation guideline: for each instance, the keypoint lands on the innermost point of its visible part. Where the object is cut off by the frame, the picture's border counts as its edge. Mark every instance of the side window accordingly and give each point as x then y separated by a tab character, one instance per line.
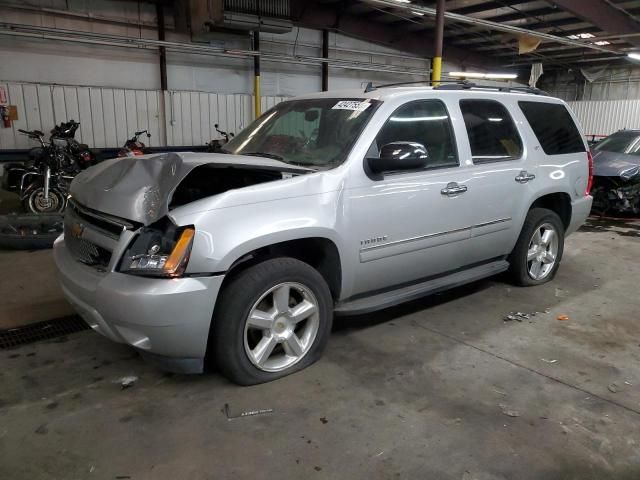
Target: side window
492	134
425	122
553	126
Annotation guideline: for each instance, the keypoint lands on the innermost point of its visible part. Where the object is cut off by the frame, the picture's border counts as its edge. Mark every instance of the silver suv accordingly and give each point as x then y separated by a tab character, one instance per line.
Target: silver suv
333	203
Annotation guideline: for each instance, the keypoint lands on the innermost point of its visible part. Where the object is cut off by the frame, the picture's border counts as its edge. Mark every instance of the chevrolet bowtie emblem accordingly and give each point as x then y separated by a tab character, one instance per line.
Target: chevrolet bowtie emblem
76	230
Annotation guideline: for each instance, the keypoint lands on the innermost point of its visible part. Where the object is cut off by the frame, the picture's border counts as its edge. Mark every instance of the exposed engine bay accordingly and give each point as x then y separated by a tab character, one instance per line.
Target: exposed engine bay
211	179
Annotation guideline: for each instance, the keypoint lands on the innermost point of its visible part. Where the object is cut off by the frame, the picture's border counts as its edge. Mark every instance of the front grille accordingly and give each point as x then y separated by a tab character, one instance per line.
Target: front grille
83	250
86	233
106	224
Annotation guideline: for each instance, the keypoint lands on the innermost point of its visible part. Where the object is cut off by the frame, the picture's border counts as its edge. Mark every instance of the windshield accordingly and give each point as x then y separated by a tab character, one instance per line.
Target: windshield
621	142
315	133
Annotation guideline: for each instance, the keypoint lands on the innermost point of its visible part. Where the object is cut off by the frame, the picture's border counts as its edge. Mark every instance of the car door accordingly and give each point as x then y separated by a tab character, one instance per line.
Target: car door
502	175
410	224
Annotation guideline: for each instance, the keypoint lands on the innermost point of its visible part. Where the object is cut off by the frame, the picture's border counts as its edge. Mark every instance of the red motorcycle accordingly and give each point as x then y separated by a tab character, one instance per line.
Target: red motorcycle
133	147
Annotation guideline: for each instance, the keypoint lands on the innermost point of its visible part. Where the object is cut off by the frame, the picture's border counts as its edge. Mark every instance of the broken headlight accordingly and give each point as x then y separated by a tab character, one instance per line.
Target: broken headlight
160	250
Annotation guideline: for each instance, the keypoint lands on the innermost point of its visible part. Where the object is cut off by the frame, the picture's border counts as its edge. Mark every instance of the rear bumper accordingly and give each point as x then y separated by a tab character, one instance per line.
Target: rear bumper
580	210
166	319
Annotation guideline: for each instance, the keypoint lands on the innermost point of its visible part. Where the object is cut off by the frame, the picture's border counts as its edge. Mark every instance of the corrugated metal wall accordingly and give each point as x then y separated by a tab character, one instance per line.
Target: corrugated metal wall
603	117
108	116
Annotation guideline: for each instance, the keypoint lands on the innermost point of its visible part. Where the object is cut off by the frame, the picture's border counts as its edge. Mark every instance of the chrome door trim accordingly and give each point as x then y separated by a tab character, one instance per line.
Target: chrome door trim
432	235
493	222
413	239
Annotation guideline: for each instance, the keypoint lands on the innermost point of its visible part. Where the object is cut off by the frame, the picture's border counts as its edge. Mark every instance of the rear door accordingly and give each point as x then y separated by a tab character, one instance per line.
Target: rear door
502	175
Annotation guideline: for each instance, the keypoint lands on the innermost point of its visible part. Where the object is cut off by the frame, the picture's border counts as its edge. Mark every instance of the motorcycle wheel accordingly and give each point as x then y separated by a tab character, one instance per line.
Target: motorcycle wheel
37	203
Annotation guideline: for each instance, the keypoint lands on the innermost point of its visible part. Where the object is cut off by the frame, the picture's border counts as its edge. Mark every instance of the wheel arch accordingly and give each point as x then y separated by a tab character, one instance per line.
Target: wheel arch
319	251
558	202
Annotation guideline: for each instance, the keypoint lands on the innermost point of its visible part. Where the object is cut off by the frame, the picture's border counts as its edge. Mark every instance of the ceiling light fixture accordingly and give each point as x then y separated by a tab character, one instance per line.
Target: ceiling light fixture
420	14
634	55
602	42
581	36
501	76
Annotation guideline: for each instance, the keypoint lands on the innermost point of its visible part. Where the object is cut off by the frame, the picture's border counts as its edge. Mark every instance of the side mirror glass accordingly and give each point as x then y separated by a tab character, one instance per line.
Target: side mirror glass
396	156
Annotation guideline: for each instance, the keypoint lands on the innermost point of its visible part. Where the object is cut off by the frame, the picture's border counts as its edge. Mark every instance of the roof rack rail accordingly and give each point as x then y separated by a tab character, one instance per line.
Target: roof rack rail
371	87
459	85
469	85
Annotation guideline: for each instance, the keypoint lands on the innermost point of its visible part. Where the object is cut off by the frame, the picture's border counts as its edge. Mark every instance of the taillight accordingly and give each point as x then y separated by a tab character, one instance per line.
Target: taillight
590	182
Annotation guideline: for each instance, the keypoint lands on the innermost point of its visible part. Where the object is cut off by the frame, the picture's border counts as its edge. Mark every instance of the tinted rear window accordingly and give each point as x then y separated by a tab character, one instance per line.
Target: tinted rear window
554	127
493	137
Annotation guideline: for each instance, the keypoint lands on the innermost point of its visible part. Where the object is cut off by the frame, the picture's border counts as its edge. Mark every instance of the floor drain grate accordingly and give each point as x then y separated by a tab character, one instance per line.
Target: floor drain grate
35	332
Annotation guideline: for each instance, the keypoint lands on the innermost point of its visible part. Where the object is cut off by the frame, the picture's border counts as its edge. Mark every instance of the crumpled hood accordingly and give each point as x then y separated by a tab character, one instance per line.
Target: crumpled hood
140	188
612	164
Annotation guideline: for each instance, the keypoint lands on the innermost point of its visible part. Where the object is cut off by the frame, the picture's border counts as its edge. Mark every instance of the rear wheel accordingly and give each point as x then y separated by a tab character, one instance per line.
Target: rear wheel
537	254
273	319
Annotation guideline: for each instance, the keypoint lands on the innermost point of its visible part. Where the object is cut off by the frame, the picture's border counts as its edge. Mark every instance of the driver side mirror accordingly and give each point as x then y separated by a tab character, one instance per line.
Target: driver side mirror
396	156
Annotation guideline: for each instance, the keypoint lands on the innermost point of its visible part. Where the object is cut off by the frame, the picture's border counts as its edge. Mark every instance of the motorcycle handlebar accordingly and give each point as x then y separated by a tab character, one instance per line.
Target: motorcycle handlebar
32	133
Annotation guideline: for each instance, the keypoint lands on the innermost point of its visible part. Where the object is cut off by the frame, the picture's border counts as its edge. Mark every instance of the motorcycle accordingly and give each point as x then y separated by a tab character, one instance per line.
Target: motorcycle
80	154
42	182
215	145
133	147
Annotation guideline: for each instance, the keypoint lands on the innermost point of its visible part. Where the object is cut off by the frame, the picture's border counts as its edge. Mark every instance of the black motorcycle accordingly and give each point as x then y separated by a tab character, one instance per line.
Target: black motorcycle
216	144
80	156
42	182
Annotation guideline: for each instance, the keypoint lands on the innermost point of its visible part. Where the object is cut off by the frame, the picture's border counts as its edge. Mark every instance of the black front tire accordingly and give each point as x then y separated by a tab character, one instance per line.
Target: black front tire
226	342
34	202
519	268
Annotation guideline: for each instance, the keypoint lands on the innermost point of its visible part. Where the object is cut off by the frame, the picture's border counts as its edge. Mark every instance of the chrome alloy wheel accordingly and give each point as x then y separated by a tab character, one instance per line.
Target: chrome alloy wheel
281	327
543	251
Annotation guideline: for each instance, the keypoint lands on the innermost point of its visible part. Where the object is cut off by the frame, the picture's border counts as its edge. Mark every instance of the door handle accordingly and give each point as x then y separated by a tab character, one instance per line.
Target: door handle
452	189
524	177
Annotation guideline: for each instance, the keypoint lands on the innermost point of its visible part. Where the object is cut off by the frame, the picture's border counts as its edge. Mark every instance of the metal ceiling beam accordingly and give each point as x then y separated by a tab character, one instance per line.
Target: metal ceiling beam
485	6
551	24
320	16
455	17
603	15
524	15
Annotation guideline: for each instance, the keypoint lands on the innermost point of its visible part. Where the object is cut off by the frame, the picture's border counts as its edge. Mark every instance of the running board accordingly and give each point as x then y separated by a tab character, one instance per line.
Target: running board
405	294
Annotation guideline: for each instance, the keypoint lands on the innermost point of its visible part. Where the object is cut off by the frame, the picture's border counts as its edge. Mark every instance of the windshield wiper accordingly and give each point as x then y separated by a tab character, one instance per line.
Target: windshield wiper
264	154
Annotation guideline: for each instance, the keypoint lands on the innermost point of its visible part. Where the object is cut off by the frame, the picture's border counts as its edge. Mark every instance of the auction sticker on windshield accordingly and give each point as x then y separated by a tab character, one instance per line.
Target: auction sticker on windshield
351	105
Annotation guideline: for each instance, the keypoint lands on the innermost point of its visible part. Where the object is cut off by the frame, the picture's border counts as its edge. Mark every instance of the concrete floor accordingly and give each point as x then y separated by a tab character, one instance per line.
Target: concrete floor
441	388
28	289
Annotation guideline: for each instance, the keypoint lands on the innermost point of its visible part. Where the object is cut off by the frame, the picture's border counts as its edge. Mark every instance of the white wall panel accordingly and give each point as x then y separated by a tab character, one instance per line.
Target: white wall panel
603	117
108	116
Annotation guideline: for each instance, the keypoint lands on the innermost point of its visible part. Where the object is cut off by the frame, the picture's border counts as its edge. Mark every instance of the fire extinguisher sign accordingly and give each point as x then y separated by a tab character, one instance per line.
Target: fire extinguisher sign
4	99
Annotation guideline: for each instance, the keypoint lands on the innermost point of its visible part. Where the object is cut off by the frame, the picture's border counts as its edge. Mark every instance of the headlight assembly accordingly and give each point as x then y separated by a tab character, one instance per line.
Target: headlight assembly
160	250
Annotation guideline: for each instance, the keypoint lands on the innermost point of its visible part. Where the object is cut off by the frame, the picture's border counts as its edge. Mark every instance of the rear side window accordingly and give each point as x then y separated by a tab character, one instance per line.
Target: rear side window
492	134
554	127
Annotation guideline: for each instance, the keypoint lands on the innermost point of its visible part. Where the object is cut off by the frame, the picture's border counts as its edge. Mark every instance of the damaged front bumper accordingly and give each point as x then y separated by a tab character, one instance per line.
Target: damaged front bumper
616	195
166	320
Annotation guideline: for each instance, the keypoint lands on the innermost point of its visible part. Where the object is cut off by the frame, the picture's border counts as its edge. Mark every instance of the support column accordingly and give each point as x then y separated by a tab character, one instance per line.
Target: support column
256	74
325	65
163	50
436	62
